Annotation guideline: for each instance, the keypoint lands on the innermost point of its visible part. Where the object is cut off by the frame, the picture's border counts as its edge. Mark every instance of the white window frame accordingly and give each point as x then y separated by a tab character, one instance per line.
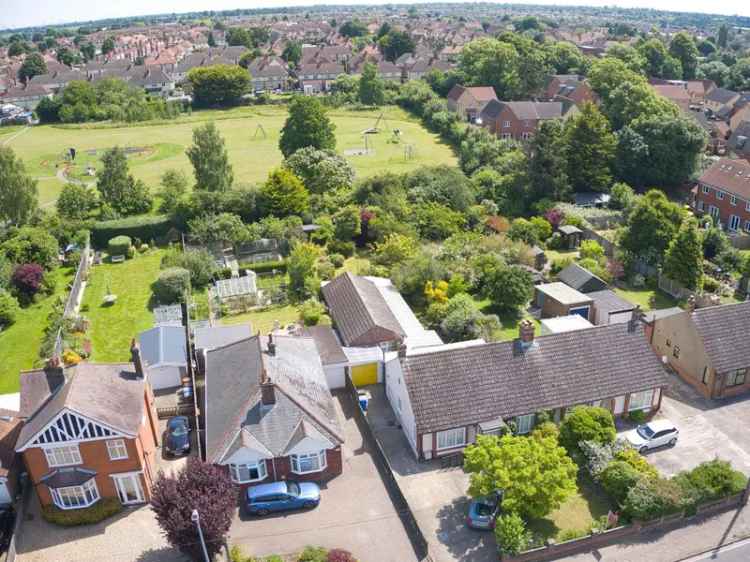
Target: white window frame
524	424
732	199
747	225
506	124
637	401
52	454
319	459
713	210
236	471
451	438
525	135
706	189
719	195
734	223
506	136
117	449
76	497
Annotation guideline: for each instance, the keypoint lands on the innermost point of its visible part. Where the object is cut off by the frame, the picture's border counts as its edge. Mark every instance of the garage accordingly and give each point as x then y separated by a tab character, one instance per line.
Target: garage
362	375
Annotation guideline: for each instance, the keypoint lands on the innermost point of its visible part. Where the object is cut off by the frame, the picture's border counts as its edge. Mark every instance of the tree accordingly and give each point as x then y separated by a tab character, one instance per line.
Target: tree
395	43
371	89
31	245
621	196
200	486
306	125
76	201
590	150
509	287
27	280
630	56
222	227
347	224
218	84
683	260
118	188
210	39
210	160
303	280
714	70
33	65
566	58
511	534
18	191
547	166
17	48
739	76
650	226
172	285
200	263
682	47
459	318
174	185
353	28
587	423
322	171
108	45
292	52
48	110
656	55
396	248
67	57
8	308
489	62
284	194
536	475
723	34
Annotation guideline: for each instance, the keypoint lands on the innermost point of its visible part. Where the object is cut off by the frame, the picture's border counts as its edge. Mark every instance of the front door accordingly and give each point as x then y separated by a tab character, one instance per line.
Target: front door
129	488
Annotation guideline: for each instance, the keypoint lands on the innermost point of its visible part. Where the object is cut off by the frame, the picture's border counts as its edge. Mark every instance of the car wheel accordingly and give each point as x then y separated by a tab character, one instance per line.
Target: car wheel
643	450
673	442
309	505
261	512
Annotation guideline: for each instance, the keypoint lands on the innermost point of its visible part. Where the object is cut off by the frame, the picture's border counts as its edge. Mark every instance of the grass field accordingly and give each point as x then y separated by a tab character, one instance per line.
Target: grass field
112	327
159	145
20	343
649	297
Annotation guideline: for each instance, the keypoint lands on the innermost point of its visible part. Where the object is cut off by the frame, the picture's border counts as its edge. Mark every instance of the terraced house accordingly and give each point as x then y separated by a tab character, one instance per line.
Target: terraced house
89	433
723	191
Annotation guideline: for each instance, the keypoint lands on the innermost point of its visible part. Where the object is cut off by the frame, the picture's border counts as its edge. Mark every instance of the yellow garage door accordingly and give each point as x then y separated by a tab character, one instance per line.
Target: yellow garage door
365	374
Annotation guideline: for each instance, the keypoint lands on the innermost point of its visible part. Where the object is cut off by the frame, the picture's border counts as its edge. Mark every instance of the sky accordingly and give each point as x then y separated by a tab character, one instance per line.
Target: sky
24	13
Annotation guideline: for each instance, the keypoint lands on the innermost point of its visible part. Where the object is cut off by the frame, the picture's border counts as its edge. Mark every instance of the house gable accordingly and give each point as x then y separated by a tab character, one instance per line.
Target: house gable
71	427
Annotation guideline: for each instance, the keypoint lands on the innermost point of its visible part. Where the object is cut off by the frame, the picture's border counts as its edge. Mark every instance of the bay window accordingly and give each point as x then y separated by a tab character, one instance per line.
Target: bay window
248	472
640	400
75	497
63	455
309	462
451	438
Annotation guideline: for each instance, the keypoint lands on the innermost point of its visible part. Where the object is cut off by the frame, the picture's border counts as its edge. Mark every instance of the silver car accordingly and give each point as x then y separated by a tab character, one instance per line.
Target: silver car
656	433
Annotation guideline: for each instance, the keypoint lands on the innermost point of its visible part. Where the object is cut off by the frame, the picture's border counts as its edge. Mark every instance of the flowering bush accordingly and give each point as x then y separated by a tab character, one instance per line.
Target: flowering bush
28	279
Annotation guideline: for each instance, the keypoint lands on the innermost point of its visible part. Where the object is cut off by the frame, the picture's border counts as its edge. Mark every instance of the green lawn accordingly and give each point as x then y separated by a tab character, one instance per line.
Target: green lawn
263	320
508	321
163	144
577	513
19	344
113	327
650	298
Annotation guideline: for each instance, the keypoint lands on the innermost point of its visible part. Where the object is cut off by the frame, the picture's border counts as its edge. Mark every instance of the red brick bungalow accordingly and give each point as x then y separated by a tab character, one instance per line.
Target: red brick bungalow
269	414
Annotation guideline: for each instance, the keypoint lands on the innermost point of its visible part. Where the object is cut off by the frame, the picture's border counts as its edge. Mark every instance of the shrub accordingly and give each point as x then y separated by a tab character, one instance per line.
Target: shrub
31	245
86	516
559	264
546	429
543	228
200	264
70	357
597	456
511	534
8	308
637	461
340	555
145	227
618	478
171	285
346	249
572	534
710	285
587	423
651	498
591	249
711	480
119	246
313	554
310	312
28	279
637	416
337	260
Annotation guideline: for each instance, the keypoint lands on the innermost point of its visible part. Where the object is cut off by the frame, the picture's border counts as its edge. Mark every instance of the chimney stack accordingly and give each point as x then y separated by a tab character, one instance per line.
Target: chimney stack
271	345
135	355
526	332
635	317
691	303
267	393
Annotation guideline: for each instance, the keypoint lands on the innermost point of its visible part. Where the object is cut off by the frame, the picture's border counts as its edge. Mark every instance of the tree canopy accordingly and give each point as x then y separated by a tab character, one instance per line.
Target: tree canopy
18	191
210	159
650	226
306	125
683	260
119	190
219	84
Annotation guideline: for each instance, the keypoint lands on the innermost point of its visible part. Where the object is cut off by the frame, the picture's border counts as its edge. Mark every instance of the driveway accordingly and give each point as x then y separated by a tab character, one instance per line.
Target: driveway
167	398
355	512
130	536
708	429
436	493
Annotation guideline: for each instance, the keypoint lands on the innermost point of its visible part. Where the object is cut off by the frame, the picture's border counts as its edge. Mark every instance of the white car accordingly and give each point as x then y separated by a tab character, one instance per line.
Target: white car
653	434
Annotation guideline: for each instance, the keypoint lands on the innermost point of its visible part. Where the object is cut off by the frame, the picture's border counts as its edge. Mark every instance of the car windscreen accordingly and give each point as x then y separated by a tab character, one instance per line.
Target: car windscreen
178	428
646	432
484	509
293	488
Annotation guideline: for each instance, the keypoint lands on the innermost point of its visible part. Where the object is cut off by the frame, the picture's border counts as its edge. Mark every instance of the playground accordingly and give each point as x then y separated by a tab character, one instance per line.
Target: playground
251	135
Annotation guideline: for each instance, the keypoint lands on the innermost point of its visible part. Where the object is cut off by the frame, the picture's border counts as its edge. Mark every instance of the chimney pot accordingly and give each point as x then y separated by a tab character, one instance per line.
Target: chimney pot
135	355
267	393
271	344
635	317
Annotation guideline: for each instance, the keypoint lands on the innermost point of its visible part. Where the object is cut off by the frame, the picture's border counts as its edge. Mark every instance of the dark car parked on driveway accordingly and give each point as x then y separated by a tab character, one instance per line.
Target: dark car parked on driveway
177	441
281	496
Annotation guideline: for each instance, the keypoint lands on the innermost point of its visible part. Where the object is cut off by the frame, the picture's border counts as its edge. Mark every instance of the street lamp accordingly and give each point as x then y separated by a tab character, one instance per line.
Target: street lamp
195	518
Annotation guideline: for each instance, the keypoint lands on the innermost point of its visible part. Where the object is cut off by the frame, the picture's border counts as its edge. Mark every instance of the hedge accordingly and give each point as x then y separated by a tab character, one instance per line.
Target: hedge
144	227
119	245
265	266
86	516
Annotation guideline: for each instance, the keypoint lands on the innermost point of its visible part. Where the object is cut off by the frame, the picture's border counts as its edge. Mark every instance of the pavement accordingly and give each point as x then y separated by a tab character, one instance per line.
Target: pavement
355	512
737	552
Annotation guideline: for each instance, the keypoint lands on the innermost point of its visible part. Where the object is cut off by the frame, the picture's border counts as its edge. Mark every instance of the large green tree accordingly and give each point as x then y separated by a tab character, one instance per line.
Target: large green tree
396	43
535	473
489	62
682	47
590	149
683	260
566	58
547	170
118	188
76	201
210	159
18	191
283	194
306	125
371	89
219	84
509	287
33	65
303	279
322	171
650	226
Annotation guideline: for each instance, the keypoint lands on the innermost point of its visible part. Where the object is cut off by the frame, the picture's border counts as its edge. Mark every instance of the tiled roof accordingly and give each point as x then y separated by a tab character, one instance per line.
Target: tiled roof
608	302
724	330
732	176
163	345
329	347
721	95
462	386
581	279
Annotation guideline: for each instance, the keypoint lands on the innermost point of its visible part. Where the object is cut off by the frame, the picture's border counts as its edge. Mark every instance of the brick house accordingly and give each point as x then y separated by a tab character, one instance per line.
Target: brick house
707	347
317	76
518	120
269	73
445	395
468	102
10	427
268	413
723	191
89	433
571	87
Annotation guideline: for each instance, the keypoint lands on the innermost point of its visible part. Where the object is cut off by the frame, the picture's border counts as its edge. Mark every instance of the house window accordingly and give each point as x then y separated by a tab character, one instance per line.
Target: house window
747	226
117	449
310	462
640	400
525	136
524	424
249	472
64	455
676	352
734	222
700	205
733	200
737	378
704	378
506	124
713	211
451	438
706	189
505	136
719	195
75	497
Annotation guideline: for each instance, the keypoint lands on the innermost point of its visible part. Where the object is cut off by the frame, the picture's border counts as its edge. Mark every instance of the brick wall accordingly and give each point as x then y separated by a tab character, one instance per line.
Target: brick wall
724	205
517	127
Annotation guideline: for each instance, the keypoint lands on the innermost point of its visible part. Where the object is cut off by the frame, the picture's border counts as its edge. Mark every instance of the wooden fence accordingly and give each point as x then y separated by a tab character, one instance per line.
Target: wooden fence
75	293
673	288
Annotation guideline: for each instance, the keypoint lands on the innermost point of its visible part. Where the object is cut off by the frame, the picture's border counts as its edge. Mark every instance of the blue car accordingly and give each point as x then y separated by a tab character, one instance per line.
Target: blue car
483	512
281	496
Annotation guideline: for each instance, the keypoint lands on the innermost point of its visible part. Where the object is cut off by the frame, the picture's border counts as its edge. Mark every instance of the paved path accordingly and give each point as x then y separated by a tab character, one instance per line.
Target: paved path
14	135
